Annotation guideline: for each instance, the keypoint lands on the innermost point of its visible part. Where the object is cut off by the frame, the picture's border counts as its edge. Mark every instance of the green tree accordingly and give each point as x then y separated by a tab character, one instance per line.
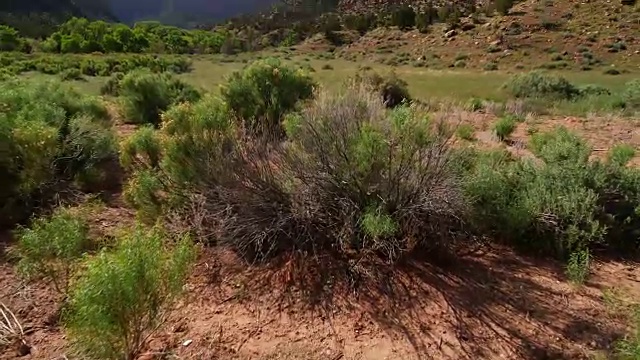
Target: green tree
9	39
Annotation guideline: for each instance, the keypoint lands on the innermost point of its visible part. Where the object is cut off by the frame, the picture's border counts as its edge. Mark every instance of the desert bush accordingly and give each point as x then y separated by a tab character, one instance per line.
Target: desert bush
340	187
540	85
504	127
465	131
631	94
264	91
145	95
187	153
50	135
621	154
594	90
112	86
124	295
390	87
629	347
578	266
52	247
71	74
558	204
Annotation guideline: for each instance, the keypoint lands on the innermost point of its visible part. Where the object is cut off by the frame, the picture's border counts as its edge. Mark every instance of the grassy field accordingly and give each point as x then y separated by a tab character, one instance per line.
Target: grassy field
425	84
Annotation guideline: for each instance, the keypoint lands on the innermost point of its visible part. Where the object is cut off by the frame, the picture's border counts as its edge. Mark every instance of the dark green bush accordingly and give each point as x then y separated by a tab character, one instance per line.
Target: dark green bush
71	74
504	127
50	135
264	91
123	295
540	85
144	95
112	86
503	6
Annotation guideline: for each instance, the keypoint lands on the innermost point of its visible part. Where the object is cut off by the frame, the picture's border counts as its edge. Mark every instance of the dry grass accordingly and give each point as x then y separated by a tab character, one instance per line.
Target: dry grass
10	328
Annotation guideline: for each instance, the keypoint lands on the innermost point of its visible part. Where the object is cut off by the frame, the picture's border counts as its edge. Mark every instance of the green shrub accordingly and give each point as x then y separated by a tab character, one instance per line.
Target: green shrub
71	74
551	207
594	90
9	39
490	66
112	86
264	91
327	67
466	132
631	94
504	127
188	152
122	296
578	266
144	95
475	104
390	87
621	154
49	135
539	85
52	247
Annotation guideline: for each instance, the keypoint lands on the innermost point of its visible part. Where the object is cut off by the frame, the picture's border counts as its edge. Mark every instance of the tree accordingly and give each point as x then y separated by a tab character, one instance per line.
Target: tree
9	39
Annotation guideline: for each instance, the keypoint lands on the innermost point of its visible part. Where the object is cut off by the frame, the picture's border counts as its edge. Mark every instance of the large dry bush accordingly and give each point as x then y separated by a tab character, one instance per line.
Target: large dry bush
353	178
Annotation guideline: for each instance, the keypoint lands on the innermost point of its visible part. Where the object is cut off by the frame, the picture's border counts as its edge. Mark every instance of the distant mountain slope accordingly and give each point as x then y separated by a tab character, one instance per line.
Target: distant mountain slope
38	18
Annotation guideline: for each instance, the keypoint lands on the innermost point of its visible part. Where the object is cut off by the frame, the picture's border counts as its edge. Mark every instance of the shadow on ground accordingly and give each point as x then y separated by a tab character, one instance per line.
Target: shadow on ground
487	304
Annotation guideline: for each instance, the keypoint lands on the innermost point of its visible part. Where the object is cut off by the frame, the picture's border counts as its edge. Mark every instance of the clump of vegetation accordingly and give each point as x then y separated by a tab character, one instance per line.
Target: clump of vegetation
264	91
390	87
52	247
631	94
539	85
504	127
112	86
503	6
578	266
629	347
71	74
621	154
465	132
145	95
51	139
490	66
124	295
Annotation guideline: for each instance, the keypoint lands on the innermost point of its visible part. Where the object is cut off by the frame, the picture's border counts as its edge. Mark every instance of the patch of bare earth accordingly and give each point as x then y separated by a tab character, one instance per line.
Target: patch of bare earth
487	304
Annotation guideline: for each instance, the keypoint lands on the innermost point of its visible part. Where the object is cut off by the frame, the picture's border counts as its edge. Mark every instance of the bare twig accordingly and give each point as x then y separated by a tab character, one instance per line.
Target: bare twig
10	328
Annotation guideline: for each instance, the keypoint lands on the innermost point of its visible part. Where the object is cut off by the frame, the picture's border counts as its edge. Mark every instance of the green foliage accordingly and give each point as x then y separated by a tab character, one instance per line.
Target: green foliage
71	74
504	127
112	86
9	39
90	65
360	22
629	347
465	132
540	85
145	95
264	91
404	17
631	94
188	151
554	206
52	247
390	87
123	295
578	266
49	135
621	154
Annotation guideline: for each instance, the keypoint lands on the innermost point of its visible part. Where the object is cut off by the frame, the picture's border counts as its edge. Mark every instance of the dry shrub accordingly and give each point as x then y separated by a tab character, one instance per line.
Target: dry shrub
353	179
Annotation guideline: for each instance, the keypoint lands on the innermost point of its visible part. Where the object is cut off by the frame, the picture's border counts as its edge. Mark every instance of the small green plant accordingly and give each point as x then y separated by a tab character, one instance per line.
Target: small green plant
466	132
629	347
631	94
490	66
52	247
578	266
327	67
393	90
503	6
621	154
504	127
475	104
124	295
